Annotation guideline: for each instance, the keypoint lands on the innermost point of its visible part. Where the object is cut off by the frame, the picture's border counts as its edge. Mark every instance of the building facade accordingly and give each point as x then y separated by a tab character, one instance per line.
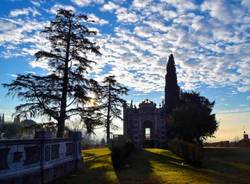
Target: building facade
145	125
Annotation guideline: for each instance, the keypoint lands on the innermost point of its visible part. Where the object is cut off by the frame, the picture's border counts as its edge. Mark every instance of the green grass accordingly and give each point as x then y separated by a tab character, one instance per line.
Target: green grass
98	169
231	162
161	166
158	166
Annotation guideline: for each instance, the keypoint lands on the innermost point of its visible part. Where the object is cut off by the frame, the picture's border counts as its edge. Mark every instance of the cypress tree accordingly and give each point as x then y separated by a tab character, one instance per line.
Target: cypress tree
172	89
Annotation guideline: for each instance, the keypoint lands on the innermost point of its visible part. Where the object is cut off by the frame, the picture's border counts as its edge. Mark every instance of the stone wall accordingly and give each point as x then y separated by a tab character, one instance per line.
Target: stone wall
40	160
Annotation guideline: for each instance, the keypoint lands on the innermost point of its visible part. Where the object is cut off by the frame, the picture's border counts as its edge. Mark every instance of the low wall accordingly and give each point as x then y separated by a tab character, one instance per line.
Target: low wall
39	160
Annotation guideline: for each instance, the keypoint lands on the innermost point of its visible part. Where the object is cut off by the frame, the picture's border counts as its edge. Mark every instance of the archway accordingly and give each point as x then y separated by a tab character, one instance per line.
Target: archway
147	134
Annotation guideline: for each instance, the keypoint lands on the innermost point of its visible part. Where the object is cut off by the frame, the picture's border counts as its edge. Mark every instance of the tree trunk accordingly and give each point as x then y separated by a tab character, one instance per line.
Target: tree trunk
61	122
108	117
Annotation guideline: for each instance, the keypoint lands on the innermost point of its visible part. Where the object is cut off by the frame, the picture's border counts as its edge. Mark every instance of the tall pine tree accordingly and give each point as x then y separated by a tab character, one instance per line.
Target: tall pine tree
66	89
111	101
172	90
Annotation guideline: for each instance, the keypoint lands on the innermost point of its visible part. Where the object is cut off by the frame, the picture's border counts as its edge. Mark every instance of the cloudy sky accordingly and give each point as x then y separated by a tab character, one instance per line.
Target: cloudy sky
210	40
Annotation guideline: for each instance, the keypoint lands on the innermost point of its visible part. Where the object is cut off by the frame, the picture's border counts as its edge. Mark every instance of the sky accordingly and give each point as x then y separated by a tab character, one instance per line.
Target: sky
210	41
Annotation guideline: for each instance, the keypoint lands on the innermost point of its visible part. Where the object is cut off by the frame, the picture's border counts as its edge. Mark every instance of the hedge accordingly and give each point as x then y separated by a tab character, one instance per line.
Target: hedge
190	152
120	151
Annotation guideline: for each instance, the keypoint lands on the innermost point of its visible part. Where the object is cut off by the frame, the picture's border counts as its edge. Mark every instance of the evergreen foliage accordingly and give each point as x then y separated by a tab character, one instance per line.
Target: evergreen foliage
192	120
2	119
171	87
10	131
111	101
103	142
65	90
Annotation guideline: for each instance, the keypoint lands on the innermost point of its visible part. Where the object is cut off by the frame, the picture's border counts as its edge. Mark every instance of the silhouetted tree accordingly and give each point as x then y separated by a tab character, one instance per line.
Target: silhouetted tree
17	119
10	130
111	101
102	142
28	122
92	120
2	119
65	90
171	87
193	119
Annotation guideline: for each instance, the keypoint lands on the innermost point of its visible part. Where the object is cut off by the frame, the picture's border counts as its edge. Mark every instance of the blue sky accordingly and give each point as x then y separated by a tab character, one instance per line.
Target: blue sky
209	39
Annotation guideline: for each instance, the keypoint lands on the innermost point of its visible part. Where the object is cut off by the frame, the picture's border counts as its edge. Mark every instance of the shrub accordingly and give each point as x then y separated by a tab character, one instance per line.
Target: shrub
190	152
120	151
10	130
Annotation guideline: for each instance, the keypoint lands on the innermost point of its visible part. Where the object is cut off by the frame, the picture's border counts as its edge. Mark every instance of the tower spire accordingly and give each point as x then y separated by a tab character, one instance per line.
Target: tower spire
131	104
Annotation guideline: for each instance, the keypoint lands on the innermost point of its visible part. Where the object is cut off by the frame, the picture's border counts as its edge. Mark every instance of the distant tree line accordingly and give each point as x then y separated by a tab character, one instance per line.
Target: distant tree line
14	130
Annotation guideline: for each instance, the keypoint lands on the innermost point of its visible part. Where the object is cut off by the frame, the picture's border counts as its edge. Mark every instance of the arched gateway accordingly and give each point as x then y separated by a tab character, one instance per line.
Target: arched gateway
145	125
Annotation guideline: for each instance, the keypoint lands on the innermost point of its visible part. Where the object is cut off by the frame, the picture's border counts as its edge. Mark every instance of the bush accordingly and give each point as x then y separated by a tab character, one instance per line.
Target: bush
11	130
190	152
120	151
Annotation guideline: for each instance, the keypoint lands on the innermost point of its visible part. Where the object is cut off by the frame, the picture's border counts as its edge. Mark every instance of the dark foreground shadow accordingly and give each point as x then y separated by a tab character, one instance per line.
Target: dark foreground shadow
161	166
97	169
157	166
137	169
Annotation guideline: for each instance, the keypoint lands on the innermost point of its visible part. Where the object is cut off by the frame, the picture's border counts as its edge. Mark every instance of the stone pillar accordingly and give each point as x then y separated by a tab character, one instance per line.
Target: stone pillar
42	135
77	137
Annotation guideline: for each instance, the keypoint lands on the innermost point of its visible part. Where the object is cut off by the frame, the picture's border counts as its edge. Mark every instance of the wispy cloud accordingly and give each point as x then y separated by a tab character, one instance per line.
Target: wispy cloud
59	6
97	20
13	75
87	2
24	11
110	6
210	41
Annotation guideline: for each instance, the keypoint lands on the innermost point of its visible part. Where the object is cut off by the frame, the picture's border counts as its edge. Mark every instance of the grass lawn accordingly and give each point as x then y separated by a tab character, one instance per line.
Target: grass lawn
98	169
158	166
